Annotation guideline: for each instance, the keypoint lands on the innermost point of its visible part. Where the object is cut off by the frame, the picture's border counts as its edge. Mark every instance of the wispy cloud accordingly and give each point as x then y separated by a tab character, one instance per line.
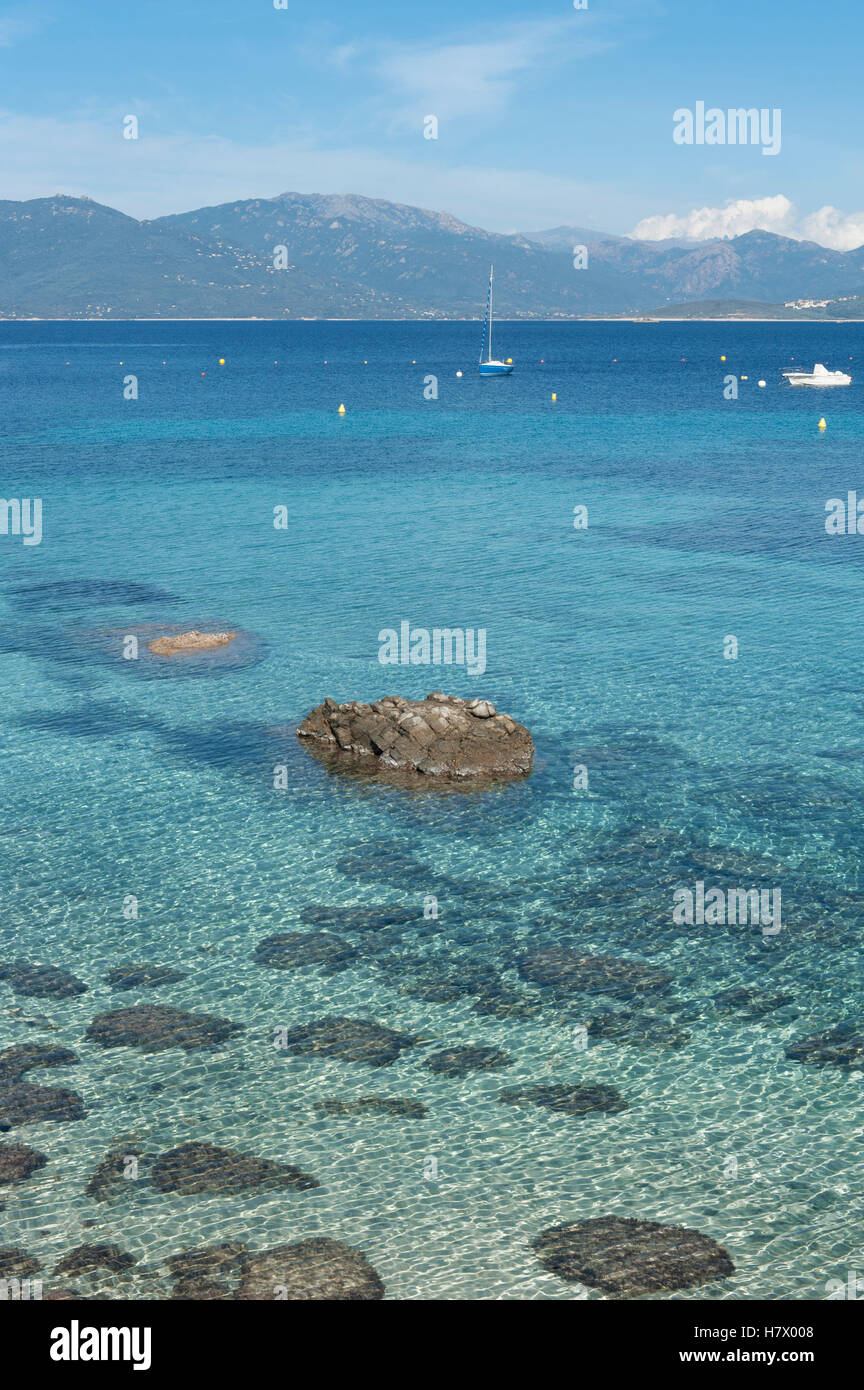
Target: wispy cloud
21	22
827	225
477	76
42	155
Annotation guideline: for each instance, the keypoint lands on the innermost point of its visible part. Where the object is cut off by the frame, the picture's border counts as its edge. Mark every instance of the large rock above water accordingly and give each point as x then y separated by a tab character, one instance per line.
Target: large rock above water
442	736
193	641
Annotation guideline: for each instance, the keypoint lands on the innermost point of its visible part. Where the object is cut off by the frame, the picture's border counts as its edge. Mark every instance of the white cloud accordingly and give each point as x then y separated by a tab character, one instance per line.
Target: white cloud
831	227
828	225
774	214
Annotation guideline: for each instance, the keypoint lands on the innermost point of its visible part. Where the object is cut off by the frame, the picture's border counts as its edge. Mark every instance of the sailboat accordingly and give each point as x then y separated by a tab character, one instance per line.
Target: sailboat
489	366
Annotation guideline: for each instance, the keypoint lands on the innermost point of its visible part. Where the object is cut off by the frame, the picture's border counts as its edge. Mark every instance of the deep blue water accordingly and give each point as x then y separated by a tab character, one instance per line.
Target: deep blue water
155	779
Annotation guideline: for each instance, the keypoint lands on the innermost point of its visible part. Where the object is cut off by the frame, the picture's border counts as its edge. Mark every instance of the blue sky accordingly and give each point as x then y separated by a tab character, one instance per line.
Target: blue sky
547	114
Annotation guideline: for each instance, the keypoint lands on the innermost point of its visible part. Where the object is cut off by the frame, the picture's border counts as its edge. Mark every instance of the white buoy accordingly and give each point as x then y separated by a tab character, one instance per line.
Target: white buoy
458	373
763	383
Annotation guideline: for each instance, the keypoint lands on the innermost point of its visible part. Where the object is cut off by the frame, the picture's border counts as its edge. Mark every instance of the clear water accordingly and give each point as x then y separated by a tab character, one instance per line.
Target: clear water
706	519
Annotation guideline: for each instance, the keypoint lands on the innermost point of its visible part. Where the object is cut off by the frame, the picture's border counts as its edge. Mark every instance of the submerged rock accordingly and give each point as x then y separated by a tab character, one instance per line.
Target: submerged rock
40	981
192	641
571	1100
201	1167
505	1002
373	1105
310	1269
842	1046
87	1257
637	1029
627	1257
132	976
15	1062
17	1264
295	949
115	1170
348	1039
576	972
23	1104
17	1162
156	1026
750	1003
442	736
458	1061
207	1274
361	918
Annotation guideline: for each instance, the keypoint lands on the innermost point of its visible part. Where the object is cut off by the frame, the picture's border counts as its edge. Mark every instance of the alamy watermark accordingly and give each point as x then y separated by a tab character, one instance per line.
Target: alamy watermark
447	646
22	517
737	126
721	907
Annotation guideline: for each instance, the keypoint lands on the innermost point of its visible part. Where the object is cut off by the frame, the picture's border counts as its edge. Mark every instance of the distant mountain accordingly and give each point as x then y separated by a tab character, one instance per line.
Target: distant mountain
565	238
354	257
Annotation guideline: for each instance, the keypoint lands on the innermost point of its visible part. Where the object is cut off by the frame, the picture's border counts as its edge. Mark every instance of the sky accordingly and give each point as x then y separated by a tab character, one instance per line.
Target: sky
547	115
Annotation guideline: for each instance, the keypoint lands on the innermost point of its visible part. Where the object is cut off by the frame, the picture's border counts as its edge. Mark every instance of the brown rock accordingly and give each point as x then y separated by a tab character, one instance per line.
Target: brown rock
204	1167
310	1269
17	1162
442	737
627	1257
193	641
155	1026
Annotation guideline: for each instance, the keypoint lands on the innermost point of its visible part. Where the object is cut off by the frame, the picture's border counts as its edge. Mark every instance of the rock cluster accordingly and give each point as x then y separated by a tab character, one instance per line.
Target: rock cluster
319	1268
310	1269
23	1104
131	975
442	736
626	1258
40	981
458	1061
85	1258
17	1162
293	950
348	1040
30	1105
574	972
109	1177
203	1167
842	1046
193	641
374	1105
205	1274
570	1100
155	1026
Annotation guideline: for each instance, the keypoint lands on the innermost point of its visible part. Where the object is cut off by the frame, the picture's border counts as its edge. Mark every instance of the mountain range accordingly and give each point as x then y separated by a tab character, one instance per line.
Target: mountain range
345	256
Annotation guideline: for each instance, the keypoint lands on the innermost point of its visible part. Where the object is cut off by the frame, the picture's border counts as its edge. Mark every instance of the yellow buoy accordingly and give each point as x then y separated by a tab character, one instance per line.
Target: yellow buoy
723	358
221	361
510	361
341	410
554	396
822	424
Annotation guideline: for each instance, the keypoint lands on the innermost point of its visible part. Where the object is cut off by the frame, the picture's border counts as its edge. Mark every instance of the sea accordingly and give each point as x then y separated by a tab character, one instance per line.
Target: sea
636	518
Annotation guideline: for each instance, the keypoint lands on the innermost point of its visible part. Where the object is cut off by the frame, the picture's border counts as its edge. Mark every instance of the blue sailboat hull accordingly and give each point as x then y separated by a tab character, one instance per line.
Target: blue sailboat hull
495	368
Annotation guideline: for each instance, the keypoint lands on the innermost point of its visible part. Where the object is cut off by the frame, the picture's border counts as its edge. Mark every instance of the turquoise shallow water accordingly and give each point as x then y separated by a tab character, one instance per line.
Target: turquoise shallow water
706	518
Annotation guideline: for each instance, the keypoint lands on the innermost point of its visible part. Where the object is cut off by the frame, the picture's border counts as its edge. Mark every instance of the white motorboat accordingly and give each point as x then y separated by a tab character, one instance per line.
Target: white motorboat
820	376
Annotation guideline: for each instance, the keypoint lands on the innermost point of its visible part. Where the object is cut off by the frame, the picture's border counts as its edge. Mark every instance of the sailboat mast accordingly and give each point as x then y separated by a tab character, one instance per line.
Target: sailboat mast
491	274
